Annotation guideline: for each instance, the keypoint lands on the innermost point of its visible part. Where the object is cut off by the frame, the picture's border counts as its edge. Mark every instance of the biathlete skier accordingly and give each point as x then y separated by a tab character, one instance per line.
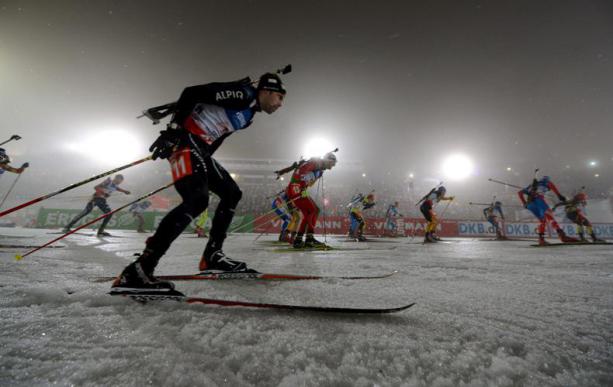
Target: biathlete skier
359	203
391	220
201	223
574	209
137	210
427	209
495	216
102	192
282	209
533	198
304	177
204	116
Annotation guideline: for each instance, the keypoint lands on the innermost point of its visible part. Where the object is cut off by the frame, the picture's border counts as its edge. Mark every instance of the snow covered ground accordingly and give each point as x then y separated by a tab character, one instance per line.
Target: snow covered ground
487	314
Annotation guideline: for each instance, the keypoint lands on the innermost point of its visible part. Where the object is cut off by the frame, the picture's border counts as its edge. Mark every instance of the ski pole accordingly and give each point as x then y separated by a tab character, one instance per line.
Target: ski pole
75	185
19	257
503	183
10	189
13	137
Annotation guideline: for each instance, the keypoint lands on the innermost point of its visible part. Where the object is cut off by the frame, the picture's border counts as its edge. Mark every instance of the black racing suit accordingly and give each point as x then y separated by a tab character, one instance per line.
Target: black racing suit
206	115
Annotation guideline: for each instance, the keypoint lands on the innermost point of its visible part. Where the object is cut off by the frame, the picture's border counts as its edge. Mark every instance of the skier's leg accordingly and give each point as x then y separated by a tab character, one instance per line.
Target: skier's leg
88	208
104	207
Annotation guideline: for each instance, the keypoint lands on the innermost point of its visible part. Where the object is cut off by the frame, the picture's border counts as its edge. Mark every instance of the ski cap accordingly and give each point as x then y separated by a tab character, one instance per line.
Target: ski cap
330	157
441	190
581	197
272	82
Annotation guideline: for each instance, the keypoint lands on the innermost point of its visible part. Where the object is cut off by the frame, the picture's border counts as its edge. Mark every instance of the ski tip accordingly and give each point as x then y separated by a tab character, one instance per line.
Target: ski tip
18	257
399	309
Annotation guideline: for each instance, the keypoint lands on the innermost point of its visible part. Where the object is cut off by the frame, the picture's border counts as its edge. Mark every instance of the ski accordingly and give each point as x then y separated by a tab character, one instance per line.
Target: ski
323	248
144	297
367	240
572	244
508	240
209	276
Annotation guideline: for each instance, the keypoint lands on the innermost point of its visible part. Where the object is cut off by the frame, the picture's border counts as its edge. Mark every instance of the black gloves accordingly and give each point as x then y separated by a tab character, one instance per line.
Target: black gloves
562	198
168	141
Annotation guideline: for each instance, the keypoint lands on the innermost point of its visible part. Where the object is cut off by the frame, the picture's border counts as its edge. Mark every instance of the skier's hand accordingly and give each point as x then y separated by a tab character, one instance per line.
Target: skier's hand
168	141
25	165
127	192
562	198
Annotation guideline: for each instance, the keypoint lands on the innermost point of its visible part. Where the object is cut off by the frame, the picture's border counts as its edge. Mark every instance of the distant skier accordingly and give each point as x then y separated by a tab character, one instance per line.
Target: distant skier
281	208
533	198
359	203
297	192
201	223
102	192
391	220
574	209
427	209
5	161
137	210
204	116
495	216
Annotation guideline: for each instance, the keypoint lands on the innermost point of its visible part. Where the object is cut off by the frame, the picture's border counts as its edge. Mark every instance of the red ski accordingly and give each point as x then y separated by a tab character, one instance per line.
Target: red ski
210	276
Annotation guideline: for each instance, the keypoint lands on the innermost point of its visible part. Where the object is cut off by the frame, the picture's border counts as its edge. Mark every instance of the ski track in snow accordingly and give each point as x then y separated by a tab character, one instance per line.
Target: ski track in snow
487	314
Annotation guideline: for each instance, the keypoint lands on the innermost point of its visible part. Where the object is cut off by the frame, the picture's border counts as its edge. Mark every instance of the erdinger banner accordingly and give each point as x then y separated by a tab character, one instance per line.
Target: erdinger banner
374	226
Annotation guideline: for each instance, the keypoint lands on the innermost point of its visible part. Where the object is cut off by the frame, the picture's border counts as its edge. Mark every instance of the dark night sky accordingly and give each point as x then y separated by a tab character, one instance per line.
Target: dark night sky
399	84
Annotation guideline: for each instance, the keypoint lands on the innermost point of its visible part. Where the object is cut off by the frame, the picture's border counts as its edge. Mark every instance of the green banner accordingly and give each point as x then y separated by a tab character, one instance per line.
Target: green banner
124	220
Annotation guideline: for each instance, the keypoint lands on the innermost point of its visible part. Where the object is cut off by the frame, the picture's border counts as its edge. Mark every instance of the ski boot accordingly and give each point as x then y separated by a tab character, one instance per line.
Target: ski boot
298	243
361	238
435	237
218	261
595	239
311	242
542	241
428	238
103	234
283	237
291	238
135	278
66	230
582	238
565	238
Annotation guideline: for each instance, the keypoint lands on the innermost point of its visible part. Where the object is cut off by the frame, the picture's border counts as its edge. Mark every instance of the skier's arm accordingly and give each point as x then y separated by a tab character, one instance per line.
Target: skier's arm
8	168
123	190
521	193
553	187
